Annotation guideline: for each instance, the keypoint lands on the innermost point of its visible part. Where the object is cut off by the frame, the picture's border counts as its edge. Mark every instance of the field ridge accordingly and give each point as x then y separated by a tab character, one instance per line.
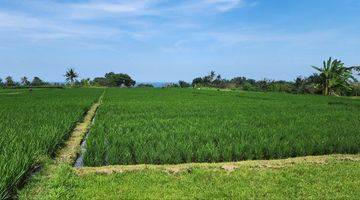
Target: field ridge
70	151
227	166
329	176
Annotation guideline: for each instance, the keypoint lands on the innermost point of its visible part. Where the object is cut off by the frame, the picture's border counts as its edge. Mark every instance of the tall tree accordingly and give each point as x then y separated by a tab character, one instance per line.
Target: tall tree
238	80
197	82
217	80
9	81
25	81
71	76
209	78
116	80
37	81
85	82
99	81
183	84
1	83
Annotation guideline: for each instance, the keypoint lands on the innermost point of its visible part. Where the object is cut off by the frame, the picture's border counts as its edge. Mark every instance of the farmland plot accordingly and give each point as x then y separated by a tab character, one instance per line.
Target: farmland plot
33	124
158	126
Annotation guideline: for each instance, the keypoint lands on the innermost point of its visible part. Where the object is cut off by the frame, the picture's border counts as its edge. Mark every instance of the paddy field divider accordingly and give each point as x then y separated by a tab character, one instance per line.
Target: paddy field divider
225	166
71	149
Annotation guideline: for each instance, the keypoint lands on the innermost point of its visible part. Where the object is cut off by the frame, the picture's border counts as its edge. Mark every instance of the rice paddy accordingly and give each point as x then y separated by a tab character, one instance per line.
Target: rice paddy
170	126
33	125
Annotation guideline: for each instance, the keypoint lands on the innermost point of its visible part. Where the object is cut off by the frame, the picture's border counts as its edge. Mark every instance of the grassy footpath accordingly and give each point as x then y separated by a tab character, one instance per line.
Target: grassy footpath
332	178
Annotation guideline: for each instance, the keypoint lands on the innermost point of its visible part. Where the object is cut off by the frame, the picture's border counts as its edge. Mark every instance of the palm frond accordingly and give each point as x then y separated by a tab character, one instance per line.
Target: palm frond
328	64
317	68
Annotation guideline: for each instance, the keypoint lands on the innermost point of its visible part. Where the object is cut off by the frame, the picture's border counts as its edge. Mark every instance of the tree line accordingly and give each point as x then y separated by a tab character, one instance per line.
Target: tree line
110	79
24	81
333	78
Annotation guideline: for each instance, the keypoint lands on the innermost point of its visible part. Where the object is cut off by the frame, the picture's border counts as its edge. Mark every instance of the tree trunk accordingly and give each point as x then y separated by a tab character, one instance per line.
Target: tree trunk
326	92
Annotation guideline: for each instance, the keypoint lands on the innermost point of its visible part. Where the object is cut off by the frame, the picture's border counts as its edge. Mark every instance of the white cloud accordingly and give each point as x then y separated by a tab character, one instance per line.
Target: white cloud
37	28
225	5
255	37
17	20
99	9
115	19
114	7
207	7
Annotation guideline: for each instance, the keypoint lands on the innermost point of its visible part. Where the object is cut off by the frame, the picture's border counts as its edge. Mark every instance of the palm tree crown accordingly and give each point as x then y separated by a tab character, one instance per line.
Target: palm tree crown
25	81
71	75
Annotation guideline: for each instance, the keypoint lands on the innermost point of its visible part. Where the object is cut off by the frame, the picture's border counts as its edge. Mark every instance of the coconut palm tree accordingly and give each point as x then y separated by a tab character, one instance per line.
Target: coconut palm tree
25	81
71	76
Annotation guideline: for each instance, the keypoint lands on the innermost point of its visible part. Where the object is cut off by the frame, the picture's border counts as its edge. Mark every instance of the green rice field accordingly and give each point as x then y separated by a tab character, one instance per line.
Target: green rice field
33	125
169	126
172	126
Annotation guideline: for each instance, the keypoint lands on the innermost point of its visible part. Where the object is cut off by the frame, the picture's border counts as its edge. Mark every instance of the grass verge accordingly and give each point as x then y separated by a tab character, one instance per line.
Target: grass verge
325	177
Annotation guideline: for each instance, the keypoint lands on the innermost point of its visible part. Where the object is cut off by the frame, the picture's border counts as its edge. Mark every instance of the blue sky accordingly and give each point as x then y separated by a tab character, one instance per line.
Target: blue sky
169	40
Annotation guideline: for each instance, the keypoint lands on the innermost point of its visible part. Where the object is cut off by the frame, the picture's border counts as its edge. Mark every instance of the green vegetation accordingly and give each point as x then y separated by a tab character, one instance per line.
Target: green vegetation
170	126
71	76
335	77
332	79
145	85
334	179
36	82
33	125
180	126
114	80
9	81
25	81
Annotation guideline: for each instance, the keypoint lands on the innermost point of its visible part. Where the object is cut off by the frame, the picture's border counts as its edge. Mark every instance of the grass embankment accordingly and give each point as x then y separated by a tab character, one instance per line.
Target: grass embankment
167	126
320	177
33	126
